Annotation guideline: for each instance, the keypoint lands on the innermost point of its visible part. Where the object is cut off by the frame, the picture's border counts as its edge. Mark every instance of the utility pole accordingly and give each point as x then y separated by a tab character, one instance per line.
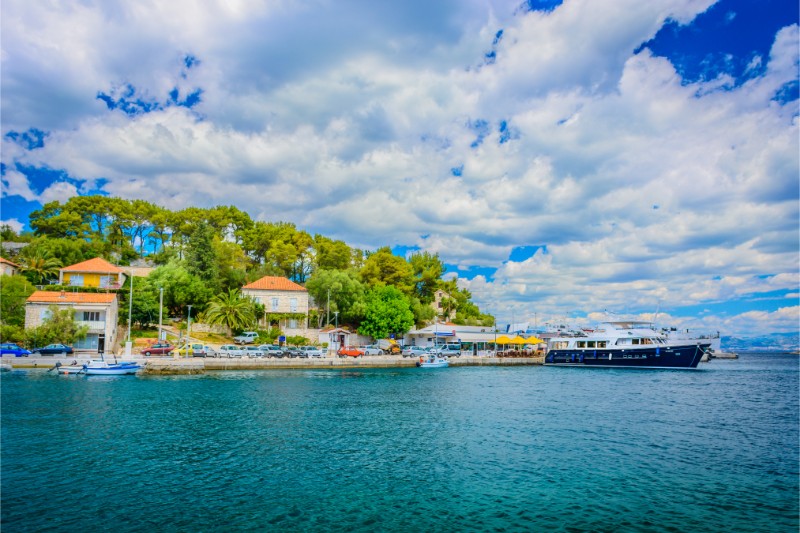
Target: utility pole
160	310
328	312
189	326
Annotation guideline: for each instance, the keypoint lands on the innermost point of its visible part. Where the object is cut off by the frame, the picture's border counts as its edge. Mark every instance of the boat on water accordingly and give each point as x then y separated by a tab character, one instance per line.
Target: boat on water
433	361
624	344
103	368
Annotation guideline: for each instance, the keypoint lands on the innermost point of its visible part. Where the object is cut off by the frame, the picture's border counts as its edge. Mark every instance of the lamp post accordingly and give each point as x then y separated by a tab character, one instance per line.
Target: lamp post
189	326
160	310
130	309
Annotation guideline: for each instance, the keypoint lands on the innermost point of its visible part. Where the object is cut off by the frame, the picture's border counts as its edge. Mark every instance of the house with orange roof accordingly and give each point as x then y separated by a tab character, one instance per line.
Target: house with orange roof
280	295
95	272
7	268
98	311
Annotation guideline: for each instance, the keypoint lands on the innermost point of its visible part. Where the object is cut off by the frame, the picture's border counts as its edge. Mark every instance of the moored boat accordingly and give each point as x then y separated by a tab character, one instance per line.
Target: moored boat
433	361
623	344
103	368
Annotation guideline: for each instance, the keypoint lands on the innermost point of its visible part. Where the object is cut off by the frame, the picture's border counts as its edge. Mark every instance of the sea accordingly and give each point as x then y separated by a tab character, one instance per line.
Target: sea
458	449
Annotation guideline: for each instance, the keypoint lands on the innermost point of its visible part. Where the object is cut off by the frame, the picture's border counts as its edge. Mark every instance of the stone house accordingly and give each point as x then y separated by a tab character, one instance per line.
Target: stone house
95	272
281	296
438	306
98	311
7	268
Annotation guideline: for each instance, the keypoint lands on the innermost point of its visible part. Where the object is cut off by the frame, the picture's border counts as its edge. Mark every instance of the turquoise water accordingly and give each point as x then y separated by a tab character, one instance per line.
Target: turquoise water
458	449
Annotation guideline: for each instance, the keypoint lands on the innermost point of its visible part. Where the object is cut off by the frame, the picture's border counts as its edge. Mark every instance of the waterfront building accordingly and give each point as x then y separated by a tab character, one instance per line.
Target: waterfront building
95	272
476	339
98	311
285	300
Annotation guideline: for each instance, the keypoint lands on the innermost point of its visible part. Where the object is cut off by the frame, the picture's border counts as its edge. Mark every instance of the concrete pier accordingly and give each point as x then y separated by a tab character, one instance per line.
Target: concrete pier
199	365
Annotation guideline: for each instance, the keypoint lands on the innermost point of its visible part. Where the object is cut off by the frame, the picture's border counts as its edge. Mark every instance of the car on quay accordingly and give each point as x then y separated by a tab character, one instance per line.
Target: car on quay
450	350
194	349
253	351
9	348
414	351
371	349
230	350
350	351
292	351
53	349
310	351
271	350
159	348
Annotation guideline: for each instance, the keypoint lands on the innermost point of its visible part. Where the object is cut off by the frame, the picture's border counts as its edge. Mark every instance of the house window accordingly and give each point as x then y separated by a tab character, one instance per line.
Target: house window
293	305
45	314
292	323
274	304
105	281
76	280
91	316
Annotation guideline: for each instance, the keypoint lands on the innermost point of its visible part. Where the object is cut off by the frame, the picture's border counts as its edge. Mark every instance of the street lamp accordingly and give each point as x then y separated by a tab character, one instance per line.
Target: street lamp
189	326
160	310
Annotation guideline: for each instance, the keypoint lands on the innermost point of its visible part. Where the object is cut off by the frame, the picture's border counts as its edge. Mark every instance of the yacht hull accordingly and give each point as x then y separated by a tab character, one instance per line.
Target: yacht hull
686	356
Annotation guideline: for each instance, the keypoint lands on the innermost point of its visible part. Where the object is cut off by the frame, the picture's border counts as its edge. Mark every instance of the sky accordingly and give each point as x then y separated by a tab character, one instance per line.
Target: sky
569	161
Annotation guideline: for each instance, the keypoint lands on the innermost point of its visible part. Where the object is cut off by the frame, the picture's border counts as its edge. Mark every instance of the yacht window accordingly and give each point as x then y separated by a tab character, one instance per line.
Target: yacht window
581	344
591	344
601	344
634	341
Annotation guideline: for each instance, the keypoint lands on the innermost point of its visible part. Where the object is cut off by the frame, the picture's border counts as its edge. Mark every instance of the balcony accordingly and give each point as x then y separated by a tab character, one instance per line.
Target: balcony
95	326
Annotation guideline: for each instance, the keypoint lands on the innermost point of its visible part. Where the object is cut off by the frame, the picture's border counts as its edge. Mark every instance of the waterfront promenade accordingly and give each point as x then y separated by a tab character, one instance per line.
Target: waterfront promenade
196	365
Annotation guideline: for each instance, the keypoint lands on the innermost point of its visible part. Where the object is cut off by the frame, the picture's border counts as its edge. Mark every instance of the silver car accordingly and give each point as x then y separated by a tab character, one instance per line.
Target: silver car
253	351
311	351
372	349
230	350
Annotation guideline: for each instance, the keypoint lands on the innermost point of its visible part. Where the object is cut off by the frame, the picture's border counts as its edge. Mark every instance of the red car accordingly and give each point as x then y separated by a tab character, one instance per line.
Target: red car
350	351
159	348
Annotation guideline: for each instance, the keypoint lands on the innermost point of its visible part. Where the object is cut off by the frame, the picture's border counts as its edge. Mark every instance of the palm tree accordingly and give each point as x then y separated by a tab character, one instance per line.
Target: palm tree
38	266
230	310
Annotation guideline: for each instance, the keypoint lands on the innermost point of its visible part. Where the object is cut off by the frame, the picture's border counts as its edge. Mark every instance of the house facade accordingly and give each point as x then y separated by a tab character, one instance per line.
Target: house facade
7	268
438	305
100	312
281	296
95	272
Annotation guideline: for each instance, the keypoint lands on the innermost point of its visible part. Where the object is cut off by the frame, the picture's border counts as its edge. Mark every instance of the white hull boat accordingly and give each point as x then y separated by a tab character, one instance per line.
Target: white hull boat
433	361
102	368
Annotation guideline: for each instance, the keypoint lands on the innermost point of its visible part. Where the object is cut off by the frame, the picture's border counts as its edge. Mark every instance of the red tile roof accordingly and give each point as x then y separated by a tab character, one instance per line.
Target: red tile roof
71	297
275	283
98	264
6	261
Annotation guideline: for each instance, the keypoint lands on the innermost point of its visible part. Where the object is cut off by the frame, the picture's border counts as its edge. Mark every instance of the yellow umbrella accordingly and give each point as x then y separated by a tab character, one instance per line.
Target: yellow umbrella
502	339
517	340
534	340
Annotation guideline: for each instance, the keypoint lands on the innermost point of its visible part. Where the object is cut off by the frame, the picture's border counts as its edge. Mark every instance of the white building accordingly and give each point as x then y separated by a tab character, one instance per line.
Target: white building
98	311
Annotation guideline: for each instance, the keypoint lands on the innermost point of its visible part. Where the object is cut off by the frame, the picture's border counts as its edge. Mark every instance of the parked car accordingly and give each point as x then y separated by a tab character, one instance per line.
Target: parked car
53	349
372	349
230	350
292	351
270	350
253	351
194	349
246	337
12	349
451	350
159	348
350	351
311	351
414	351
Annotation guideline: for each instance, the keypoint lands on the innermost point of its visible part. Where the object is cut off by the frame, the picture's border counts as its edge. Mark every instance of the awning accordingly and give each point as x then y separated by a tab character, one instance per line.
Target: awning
517	340
445	333
534	340
502	339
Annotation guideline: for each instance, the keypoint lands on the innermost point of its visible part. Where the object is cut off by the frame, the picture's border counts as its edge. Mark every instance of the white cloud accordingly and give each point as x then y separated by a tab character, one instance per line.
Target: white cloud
347	118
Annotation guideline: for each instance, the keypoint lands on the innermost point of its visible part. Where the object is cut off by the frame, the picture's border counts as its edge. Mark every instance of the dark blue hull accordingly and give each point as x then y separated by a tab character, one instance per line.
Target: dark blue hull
687	356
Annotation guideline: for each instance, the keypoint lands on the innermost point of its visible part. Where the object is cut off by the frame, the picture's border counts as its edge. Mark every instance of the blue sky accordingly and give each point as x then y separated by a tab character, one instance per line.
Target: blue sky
564	159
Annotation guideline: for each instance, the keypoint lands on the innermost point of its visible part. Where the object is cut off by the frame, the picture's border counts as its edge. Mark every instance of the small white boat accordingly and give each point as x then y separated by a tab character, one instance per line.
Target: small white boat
433	361
5	367
102	368
69	369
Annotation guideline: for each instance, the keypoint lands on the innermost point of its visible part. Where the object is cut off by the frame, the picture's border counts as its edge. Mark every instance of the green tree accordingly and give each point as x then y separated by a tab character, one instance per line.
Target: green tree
231	310
330	254
201	260
346	294
384	268
428	270
14	291
60	326
38	266
387	311
180	288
